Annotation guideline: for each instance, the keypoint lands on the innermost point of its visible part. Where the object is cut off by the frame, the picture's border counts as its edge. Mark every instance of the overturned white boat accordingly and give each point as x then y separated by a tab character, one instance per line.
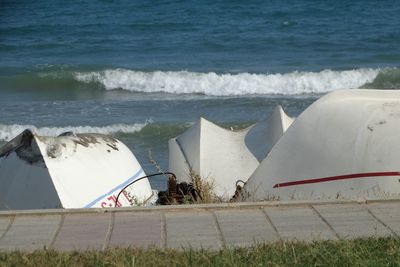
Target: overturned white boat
69	171
346	145
222	156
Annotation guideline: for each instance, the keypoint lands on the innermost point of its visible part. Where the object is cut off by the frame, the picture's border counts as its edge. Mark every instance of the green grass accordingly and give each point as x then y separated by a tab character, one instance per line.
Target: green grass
359	252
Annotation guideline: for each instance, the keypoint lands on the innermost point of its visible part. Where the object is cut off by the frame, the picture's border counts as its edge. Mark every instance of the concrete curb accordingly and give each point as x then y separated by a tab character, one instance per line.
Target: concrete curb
216	206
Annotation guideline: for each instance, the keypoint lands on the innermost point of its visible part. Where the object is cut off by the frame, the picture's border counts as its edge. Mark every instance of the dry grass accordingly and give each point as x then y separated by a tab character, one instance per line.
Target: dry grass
154	162
205	187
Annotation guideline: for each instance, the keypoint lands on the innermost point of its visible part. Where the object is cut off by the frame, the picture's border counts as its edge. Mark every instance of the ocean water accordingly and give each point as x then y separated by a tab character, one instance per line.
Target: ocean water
145	71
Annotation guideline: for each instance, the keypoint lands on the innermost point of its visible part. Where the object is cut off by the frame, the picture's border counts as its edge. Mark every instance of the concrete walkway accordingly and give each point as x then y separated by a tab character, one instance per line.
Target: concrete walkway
197	226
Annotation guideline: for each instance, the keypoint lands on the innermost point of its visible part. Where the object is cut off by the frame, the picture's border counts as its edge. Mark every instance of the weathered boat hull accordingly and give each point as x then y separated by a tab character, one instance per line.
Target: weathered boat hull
221	156
69	171
346	145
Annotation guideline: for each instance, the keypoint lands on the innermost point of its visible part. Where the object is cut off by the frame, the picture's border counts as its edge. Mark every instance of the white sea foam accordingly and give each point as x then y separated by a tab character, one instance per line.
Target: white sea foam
8	132
183	82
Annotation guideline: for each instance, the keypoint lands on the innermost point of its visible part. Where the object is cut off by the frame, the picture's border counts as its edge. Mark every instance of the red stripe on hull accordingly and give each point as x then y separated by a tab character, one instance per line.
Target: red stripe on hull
335	178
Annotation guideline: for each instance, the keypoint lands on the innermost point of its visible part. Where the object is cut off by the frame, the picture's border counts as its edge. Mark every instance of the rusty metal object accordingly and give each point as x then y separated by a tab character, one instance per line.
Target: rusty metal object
178	193
237	196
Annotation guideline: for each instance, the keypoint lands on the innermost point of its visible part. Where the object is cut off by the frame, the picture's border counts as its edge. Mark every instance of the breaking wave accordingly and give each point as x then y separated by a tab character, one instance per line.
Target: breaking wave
8	132
210	84
184	82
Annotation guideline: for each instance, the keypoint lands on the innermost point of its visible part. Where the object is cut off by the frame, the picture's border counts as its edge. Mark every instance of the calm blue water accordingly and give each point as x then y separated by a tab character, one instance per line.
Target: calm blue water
222	36
145	71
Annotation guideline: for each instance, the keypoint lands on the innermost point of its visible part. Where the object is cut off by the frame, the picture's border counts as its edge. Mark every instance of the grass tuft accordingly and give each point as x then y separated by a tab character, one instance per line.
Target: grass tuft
204	187
359	252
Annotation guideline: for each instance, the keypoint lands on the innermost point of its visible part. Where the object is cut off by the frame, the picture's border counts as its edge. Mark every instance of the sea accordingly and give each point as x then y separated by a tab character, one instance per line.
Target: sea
145	71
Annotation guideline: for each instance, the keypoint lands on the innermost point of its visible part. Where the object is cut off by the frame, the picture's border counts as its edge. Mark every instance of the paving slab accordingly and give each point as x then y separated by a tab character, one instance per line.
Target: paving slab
352	220
388	213
299	223
30	232
140	229
192	230
4	222
82	231
245	227
211	226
